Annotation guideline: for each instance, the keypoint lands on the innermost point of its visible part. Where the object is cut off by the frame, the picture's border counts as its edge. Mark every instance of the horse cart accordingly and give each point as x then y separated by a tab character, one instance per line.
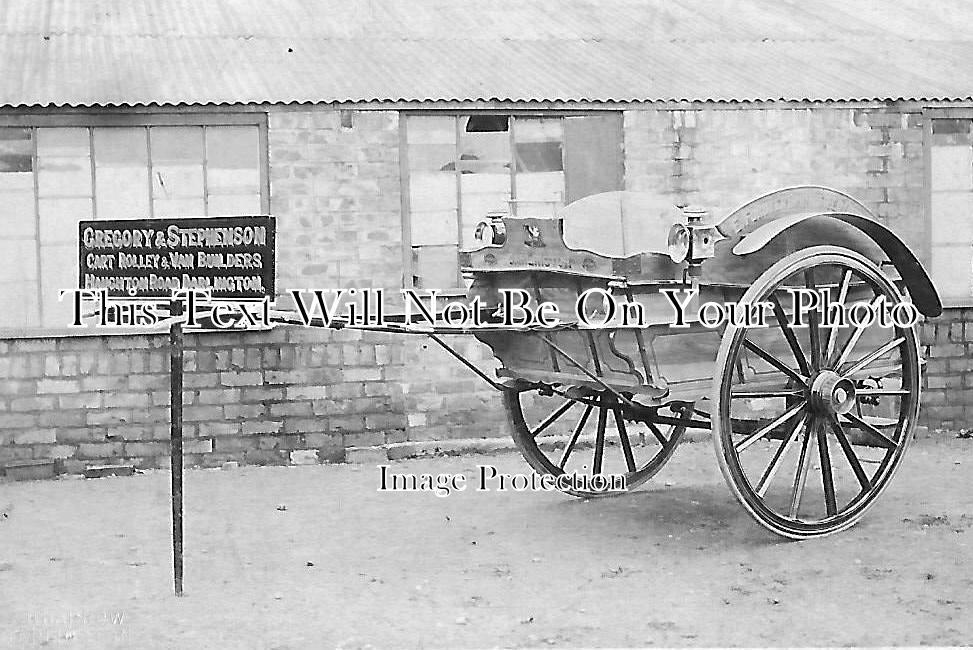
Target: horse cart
784	328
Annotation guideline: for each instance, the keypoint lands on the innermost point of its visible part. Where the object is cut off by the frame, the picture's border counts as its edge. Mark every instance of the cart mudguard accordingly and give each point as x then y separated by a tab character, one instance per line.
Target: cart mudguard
923	293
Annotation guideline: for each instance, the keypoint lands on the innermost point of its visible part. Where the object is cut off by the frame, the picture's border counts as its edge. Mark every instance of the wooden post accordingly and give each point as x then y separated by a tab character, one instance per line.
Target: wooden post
175	441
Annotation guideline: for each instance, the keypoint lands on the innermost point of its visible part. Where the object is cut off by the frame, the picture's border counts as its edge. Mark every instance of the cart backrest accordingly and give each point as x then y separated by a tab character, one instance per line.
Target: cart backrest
619	224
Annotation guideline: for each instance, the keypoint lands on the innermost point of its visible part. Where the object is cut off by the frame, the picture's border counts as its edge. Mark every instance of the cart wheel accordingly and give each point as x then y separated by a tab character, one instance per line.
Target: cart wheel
590	436
810	421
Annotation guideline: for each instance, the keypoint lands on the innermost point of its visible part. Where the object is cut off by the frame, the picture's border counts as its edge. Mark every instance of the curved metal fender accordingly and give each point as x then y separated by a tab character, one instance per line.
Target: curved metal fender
924	294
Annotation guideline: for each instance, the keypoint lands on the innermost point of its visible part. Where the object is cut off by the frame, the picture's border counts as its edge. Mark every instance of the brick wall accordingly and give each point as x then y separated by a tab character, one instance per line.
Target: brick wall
445	400
335	193
254	397
721	158
947	398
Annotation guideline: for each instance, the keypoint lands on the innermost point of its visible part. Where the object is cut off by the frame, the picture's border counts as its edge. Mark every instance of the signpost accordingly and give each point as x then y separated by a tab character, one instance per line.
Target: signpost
158	260
176	366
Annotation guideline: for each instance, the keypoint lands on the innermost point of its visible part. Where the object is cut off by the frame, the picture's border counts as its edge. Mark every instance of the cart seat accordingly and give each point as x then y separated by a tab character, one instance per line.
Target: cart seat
619	224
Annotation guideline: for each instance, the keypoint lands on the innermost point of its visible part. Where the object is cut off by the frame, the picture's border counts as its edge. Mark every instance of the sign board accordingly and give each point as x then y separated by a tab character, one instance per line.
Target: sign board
232	257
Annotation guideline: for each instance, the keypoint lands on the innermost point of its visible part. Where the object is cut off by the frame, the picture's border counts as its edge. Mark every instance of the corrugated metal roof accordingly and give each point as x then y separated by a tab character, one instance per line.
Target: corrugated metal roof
141	52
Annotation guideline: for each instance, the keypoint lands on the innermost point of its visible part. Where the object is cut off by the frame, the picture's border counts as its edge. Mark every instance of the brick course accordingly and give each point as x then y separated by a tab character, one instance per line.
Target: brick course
947	343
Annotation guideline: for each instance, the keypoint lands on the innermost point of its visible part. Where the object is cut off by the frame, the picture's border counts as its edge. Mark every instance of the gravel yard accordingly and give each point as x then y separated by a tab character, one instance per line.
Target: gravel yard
316	556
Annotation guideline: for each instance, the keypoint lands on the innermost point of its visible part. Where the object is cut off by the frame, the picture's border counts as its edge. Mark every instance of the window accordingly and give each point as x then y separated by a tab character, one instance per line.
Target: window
51	177
461	167
951	207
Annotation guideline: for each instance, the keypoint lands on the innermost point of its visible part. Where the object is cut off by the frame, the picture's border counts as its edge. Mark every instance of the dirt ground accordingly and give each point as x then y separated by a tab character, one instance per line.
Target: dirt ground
315	556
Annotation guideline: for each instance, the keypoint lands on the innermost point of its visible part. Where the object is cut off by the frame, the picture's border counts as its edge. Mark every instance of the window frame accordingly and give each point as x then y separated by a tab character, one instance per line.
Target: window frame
408	267
926	253
34	120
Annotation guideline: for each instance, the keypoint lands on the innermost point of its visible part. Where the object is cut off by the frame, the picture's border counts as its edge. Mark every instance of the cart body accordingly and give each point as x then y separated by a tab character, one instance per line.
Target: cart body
616	265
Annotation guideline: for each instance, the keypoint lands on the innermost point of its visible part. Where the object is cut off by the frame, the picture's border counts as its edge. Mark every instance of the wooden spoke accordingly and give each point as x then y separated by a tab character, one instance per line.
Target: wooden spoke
856	465
574	436
740	375
800	477
875	354
814	332
853	339
827	478
881	391
776	461
833	332
658	434
774	361
548	454
884	440
790	336
744	394
626	444
757	435
600	439
550	419
873	371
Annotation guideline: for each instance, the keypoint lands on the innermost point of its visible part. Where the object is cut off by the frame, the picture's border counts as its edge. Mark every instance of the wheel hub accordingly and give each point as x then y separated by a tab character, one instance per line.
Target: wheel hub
832	394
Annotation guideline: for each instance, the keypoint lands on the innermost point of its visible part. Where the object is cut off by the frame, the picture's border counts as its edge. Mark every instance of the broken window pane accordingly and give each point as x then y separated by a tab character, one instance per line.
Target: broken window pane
539	183
17	219
951	131
487	123
538	144
539	157
946	126
485	152
16	150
